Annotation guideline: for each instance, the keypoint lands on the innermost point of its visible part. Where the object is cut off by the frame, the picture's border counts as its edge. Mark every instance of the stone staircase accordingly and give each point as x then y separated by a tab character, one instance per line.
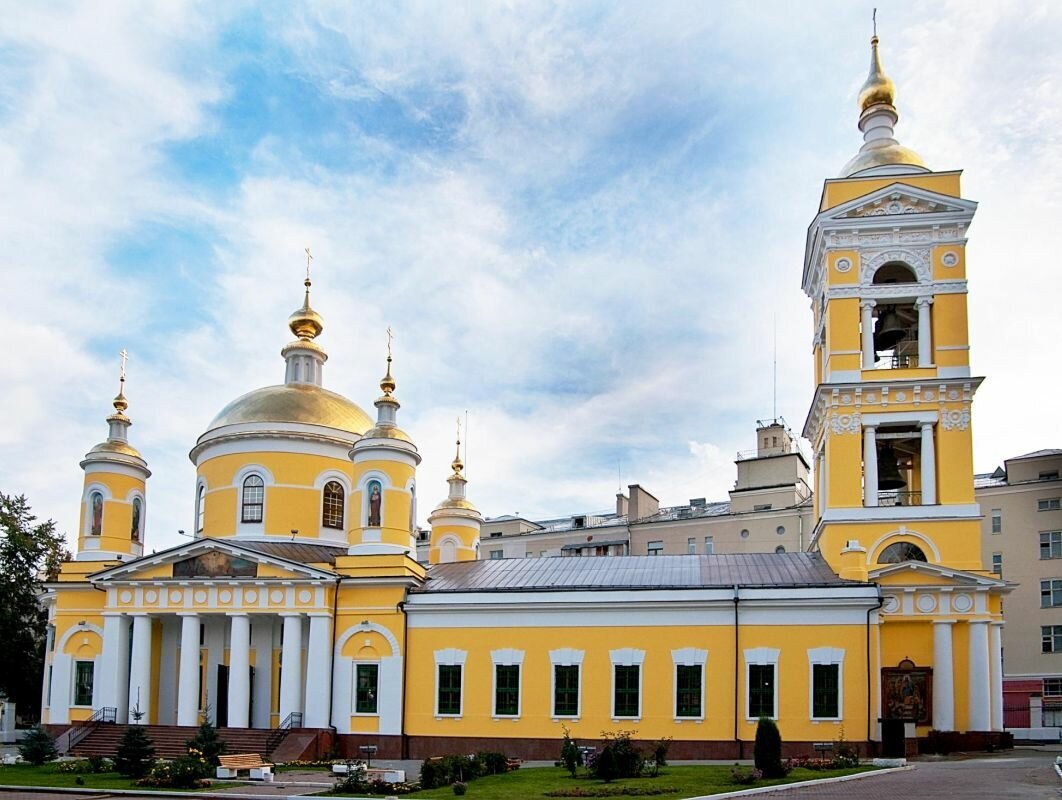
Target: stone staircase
172	740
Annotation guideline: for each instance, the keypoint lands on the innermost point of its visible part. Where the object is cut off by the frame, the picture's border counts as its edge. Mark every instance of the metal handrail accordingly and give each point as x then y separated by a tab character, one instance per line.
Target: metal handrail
292	720
890	499
77	732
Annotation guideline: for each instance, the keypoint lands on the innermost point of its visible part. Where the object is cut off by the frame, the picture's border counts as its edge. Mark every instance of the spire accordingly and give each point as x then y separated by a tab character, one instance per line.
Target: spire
387	383
387	404
881	152
305	358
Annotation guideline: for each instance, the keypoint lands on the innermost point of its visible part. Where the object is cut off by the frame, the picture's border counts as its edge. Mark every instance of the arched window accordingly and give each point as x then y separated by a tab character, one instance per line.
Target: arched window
901	551
779	549
332	505
200	509
96	510
253	499
137	523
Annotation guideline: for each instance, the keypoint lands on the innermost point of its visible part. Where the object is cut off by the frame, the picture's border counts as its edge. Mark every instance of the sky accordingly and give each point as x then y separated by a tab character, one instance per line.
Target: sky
584	221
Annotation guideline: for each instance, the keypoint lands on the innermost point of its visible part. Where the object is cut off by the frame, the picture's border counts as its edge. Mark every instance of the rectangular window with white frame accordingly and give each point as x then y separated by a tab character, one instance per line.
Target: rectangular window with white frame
1052	687
1051	593
709	545
761	682
1051	638
627	682
656	548
366	688
566	665
997	564
997	520
449	682
1049	504
691	546
84	679
826	666
507	672
1050	545
690	664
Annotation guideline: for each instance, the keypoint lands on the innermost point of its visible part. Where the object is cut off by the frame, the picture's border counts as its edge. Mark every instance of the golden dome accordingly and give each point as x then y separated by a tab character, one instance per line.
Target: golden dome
303	403
879	88
893	154
306	323
116	446
387	432
456	502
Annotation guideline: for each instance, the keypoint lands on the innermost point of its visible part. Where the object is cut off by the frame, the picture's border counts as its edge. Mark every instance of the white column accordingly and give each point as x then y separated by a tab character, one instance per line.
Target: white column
995	649
929	466
943	676
239	671
925	332
980	714
188	674
318	671
262	640
140	670
866	308
291	666
114	668
870	466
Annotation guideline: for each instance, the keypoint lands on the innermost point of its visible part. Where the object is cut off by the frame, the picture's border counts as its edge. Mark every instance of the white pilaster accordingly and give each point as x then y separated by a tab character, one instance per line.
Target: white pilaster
925	332
140	670
318	671
291	666
995	648
114	665
866	308
239	671
943	676
870	466
188	675
61	688
980	714
262	640
929	466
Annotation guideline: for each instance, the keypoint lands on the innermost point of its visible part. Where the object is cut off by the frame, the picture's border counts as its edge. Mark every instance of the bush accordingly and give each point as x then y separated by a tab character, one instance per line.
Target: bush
460	788
494	763
186	772
767	752
619	758
745	776
207	743
844	754
37	747
354	780
448	770
135	754
85	766
571	755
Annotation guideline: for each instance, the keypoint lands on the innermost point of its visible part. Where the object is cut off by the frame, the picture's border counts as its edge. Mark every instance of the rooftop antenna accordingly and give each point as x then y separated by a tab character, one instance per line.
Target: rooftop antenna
466	442
774	381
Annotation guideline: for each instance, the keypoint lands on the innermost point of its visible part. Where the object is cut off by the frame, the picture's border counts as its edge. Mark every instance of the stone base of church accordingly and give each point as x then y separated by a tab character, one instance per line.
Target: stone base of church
944	742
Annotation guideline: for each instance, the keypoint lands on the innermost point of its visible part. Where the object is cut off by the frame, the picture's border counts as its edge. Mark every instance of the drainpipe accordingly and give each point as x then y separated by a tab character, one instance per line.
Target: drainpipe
737	683
881	601
404	743
332	683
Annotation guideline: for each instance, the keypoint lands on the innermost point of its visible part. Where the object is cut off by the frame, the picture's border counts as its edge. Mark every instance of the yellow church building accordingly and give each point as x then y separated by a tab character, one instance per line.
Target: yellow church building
299	604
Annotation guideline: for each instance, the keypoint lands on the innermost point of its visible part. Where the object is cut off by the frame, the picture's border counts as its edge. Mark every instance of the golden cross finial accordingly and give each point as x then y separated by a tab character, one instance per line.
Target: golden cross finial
390	337
457	464
309	258
125	357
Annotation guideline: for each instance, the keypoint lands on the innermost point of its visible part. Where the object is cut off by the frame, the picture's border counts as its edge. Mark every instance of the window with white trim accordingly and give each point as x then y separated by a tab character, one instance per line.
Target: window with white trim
200	508
366	688
997	520
332	500
449	682
1051	638
1049	504
252	509
1052	687
627	682
507	667
656	548
691	545
761	682
826	675
709	545
84	678
997	563
689	682
1050	545
1051	593
566	666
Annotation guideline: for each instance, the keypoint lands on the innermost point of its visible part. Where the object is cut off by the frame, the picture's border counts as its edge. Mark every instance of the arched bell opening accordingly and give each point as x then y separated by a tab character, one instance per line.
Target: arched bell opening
894	323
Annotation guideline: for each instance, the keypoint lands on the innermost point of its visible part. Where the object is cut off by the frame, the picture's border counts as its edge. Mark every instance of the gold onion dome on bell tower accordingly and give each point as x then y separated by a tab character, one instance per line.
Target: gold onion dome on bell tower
879	88
306	323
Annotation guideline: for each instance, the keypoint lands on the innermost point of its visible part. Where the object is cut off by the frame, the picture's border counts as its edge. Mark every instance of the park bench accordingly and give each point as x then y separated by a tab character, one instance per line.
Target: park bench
231	766
513	763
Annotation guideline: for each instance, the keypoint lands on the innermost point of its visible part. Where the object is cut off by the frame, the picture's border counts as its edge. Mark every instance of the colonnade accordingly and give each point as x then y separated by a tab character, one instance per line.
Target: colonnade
128	649
984	675
928	462
925	340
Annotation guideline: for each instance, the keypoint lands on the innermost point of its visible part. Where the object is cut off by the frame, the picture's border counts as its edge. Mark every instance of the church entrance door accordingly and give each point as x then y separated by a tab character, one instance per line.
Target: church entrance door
221	706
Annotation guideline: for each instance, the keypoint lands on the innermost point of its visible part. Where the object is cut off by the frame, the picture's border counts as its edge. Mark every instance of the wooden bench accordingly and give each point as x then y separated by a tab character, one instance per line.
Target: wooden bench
513	763
231	766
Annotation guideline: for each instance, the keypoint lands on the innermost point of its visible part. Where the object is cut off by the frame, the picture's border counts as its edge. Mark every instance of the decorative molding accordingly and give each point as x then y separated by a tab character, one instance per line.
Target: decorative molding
841	424
949	259
899	203
917	259
843	265
958	419
893	291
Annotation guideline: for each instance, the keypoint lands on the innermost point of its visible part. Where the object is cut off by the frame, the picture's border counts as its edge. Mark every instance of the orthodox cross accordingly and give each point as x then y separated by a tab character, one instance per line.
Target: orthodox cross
390	337
309	258
125	357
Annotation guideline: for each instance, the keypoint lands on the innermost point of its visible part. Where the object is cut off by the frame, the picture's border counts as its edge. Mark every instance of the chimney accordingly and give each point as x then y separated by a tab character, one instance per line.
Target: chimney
642	504
621	504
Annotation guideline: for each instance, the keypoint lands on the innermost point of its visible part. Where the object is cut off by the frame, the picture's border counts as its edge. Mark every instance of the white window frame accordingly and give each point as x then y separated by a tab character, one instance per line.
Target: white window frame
451	657
688	657
655	547
826	656
626	657
200	508
507	657
691	545
74	661
996	517
709	545
565	657
354	688
761	656
254	529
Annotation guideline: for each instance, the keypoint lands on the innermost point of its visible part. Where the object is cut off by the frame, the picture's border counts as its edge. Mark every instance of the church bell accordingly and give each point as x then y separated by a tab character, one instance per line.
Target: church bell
889	329
889	476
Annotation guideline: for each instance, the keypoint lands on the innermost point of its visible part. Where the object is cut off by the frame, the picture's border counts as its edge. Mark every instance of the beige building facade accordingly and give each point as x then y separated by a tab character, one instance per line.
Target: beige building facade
1021	537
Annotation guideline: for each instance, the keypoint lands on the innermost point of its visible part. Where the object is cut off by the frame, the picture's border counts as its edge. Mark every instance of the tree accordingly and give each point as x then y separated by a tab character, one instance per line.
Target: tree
767	752
37	746
135	754
571	755
30	554
207	743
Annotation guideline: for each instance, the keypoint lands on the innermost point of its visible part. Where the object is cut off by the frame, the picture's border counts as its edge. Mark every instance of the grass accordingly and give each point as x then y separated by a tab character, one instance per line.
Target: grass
49	775
691	781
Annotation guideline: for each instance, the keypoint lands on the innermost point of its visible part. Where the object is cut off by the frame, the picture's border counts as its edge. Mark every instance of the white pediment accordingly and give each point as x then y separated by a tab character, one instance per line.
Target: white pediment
917	571
206	559
898	200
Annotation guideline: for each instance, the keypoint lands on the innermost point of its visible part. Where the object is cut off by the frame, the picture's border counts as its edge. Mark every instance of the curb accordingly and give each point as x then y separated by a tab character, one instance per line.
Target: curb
218	795
800	784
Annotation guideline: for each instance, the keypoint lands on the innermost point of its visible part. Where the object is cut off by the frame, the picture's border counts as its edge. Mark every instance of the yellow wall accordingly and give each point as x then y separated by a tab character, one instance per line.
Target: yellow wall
836	192
117	512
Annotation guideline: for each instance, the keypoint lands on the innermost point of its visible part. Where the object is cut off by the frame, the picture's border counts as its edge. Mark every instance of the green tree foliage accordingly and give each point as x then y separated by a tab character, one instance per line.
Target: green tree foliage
570	755
207	743
767	751
30	554
37	746
135	754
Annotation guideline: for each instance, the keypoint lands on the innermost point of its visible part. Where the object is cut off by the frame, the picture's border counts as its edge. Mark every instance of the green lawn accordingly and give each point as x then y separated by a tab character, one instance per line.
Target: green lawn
683	781
49	775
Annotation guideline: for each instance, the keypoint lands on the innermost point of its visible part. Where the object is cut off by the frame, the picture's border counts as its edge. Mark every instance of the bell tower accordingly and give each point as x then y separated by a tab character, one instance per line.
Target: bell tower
890	423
